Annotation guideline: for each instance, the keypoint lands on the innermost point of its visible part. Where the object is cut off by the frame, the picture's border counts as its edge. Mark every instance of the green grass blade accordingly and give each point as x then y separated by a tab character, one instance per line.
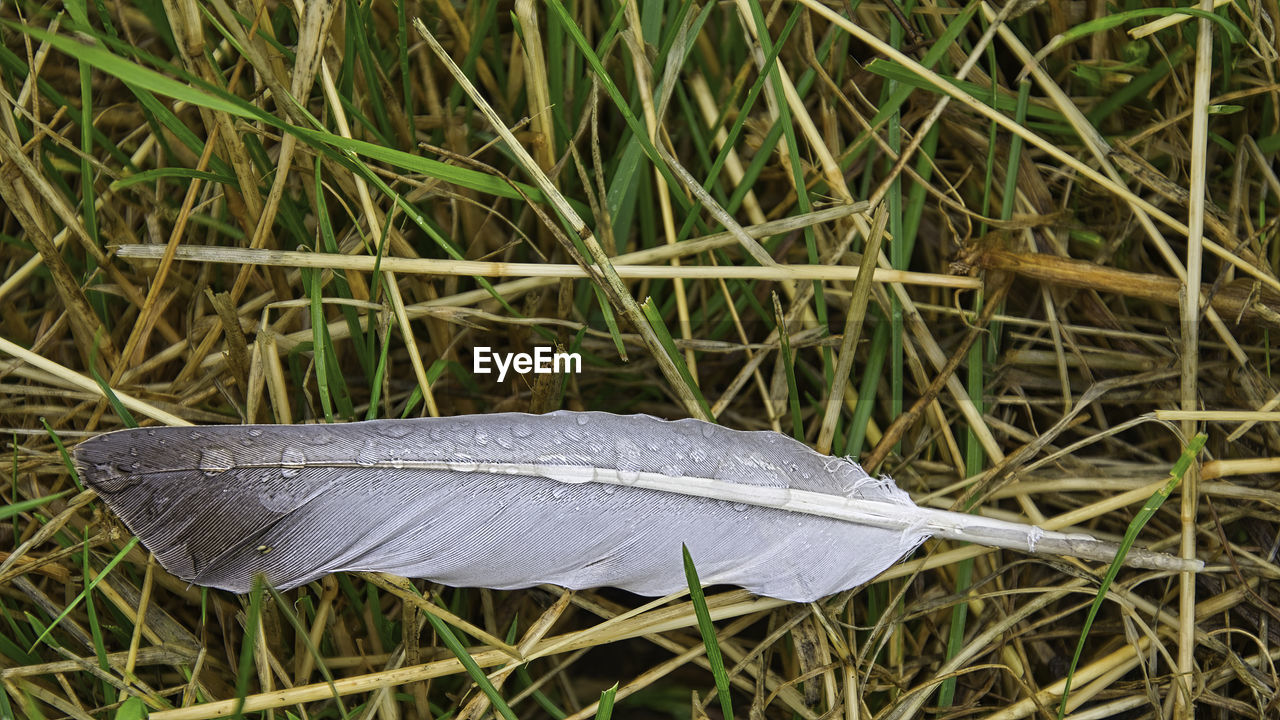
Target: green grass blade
62	452
151	176
131	709
708	631
664	337
95	627
605	710
92	584
22	506
248	646
1135	526
320	343
121	411
1005	101
1110	21
610	321
473	669
546	703
867	390
304	634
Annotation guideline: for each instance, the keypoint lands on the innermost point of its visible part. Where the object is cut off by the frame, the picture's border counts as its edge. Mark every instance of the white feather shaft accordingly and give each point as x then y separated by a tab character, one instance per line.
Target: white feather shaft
890	516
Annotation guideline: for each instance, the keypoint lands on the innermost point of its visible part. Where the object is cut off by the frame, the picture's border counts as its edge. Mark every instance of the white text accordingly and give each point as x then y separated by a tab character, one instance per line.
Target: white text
542	361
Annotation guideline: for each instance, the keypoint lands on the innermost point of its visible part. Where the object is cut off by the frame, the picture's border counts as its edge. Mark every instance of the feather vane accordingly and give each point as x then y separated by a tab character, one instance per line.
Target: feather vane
509	500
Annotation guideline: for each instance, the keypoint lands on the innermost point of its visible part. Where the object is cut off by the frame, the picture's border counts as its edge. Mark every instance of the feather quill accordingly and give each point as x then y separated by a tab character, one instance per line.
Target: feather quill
509	500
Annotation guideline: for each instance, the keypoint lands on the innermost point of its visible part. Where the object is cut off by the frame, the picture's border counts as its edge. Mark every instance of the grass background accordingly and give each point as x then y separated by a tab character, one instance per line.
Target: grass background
1045	192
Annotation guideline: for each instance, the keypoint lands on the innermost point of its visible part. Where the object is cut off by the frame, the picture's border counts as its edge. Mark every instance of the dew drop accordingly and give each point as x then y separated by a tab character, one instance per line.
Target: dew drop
708	430
740	507
215	461
369	454
609	489
254	432
521	431
504	443
292	460
394	430
583	419
559	492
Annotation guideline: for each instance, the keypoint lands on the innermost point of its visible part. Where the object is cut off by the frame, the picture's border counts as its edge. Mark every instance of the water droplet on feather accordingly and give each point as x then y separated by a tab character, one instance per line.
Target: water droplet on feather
370	454
394	430
215	461
292	460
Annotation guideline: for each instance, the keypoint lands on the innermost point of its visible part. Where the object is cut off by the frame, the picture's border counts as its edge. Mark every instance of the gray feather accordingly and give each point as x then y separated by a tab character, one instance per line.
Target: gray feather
219	504
512	500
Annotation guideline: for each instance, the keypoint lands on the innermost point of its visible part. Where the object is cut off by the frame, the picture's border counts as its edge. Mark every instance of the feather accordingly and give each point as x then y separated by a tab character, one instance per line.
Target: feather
577	499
